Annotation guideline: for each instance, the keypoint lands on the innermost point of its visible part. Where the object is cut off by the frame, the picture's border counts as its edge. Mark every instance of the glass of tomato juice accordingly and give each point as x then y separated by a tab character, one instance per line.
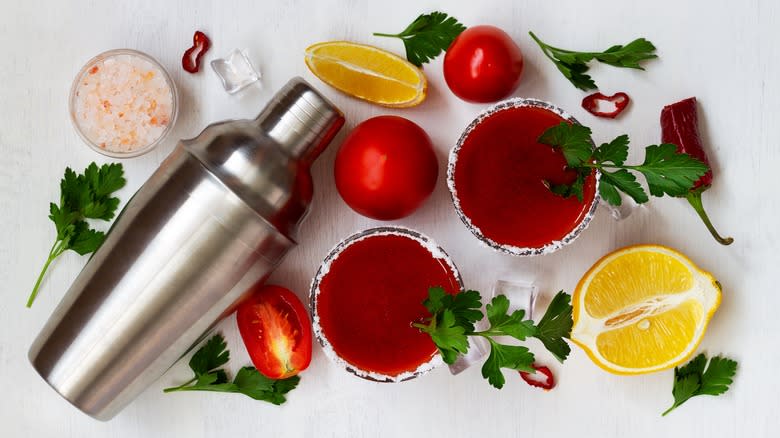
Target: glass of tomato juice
366	295
499	177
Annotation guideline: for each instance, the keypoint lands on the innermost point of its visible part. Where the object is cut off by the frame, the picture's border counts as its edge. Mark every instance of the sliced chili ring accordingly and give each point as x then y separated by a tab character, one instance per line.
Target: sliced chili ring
200	45
532	378
595	101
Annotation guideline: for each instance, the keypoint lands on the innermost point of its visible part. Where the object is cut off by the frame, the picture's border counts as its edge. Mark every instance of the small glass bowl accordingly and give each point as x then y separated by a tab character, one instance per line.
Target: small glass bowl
324	269
548	248
102	57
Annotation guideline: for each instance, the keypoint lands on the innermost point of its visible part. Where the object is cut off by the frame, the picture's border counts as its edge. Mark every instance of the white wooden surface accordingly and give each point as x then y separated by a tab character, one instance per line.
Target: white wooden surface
724	52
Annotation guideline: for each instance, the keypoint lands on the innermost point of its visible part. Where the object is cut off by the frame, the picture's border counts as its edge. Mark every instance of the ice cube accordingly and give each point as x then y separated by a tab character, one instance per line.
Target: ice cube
627	206
521	295
478	349
235	71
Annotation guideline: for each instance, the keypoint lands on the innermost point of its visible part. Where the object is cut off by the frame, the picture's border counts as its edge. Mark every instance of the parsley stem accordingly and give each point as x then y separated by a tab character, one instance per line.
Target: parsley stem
387	35
421	326
545	48
694	198
489	334
54	252
602	166
181	387
673	407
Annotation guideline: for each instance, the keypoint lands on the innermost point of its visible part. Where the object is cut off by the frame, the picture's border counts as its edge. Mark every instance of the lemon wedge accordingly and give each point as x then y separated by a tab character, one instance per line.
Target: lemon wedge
643	308
368	73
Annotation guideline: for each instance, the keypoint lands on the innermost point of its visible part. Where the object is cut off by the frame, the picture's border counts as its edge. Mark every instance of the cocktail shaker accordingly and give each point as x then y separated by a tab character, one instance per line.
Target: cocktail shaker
217	217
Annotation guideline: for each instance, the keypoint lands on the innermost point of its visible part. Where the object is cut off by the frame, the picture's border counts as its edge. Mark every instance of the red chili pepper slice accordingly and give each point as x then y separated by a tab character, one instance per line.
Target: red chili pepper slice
618	100
532	378
191	59
680	127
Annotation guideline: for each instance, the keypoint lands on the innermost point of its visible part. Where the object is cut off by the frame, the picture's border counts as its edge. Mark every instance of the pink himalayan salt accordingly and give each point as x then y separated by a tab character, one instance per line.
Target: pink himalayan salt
123	103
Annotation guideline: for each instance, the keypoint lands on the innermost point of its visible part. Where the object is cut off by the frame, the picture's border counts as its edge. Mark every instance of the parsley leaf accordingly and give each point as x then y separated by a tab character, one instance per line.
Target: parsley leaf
607	191
452	322
513	357
695	366
575	73
454	317
692	379
666	170
625	181
82	196
669	172
501	323
434	303
212	355
464	306
449	337
615	151
84	239
573	140
628	56
718	376
428	36
206	363
556	325
251	383
574	65
576	188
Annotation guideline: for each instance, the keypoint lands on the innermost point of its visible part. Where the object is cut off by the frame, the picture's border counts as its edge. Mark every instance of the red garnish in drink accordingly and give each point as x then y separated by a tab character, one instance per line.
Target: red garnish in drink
191	59
373	289
596	101
533	378
502	178
680	126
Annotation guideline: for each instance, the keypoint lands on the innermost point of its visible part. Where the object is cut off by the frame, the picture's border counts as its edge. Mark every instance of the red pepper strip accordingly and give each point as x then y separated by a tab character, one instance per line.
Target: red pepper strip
619	100
191	59
680	126
547	384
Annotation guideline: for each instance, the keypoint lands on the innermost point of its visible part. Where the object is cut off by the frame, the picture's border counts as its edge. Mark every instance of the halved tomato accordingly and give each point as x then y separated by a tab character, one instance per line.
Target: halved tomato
276	331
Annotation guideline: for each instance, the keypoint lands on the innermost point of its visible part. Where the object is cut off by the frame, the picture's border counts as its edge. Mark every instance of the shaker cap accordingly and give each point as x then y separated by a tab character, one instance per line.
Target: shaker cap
300	120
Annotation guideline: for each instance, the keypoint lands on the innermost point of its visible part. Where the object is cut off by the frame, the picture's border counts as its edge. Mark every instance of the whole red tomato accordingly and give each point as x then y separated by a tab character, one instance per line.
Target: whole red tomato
276	331
386	168
483	64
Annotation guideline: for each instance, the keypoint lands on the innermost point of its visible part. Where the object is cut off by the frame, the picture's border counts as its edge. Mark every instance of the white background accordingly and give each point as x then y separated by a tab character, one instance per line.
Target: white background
724	52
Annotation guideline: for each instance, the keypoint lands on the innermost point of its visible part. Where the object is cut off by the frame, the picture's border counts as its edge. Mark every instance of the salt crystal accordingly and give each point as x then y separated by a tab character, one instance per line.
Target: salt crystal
117	96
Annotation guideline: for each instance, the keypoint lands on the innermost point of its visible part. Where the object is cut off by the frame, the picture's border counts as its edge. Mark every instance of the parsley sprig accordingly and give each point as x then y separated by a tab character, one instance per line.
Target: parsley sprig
428	36
82	196
665	170
693	379
453	319
206	363
573	64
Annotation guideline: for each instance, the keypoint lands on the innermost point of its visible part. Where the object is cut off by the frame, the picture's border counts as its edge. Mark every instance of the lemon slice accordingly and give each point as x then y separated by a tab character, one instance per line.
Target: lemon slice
643	308
368	73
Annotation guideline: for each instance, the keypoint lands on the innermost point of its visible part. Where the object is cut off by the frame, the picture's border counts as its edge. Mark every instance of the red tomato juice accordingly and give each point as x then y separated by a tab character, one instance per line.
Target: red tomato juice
371	295
500	179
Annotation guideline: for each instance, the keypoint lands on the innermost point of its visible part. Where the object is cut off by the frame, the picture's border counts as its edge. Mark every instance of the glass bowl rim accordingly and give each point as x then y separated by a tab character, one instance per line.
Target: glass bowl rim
324	269
516	102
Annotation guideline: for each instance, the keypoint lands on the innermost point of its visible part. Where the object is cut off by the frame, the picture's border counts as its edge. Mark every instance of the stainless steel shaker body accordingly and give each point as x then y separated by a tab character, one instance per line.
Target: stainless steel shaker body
217	216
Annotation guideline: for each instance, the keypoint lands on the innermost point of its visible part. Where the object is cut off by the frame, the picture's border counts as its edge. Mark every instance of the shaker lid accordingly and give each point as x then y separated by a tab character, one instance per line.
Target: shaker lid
300	120
265	161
